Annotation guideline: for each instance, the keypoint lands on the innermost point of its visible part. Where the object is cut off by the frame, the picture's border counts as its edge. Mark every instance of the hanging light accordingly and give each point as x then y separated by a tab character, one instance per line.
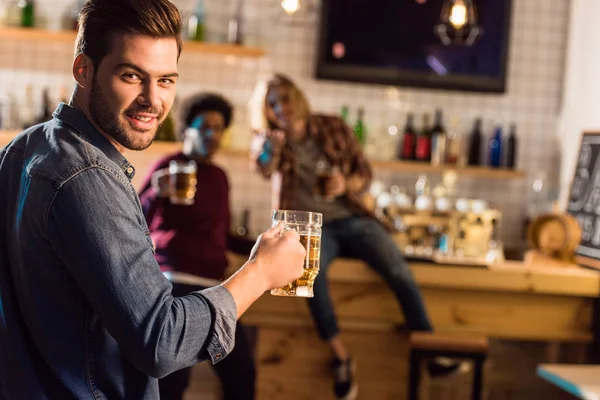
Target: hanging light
294	12
290	6
458	23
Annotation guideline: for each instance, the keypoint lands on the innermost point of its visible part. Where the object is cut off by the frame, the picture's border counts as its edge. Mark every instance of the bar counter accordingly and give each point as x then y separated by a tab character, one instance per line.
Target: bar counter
508	301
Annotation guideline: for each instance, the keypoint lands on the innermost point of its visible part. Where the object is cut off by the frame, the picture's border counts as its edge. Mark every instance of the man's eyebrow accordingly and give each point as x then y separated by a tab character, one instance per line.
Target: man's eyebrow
141	71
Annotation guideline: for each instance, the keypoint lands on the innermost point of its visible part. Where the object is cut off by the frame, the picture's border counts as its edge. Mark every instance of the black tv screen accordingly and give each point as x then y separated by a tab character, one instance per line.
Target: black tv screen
393	42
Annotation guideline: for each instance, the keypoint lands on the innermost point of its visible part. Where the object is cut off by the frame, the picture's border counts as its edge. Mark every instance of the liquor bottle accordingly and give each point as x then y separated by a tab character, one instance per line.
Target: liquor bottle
243	229
14	114
195	23
235	33
423	147
46	112
27	13
360	130
344	113
511	147
27	113
495	147
475	144
407	144
438	140
454	147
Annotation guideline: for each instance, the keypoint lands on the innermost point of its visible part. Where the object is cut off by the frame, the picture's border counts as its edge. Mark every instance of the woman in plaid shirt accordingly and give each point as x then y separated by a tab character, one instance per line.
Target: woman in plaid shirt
296	142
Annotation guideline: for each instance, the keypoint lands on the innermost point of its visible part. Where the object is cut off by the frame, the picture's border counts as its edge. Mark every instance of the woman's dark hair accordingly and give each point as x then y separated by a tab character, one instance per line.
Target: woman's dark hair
204	102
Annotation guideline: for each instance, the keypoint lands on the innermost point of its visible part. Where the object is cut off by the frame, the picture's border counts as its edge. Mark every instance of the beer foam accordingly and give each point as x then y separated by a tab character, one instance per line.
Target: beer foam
303	291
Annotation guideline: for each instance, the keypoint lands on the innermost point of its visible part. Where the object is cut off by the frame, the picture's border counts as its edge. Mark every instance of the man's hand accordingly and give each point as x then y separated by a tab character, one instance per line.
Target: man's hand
279	255
276	260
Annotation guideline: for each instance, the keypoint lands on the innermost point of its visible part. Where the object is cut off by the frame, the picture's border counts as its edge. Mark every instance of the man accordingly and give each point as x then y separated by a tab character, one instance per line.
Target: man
86	311
298	141
192	240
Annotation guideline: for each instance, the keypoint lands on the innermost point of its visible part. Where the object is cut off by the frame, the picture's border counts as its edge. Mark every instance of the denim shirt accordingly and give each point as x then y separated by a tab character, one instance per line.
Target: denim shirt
85	311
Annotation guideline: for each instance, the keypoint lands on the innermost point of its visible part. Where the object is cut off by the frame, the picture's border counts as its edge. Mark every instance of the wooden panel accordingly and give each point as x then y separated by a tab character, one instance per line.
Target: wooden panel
45	36
498	315
479	172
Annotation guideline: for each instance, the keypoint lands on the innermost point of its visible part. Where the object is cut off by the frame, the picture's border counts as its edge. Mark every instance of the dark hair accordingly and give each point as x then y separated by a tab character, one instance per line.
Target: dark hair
204	102
99	20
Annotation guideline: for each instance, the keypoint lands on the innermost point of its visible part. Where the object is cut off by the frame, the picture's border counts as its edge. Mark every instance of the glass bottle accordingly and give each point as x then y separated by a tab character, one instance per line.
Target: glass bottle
196	23
360	130
27	13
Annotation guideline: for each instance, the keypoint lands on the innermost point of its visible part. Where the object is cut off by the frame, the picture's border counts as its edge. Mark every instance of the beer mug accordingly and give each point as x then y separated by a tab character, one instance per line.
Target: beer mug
160	182
308	225
182	182
324	171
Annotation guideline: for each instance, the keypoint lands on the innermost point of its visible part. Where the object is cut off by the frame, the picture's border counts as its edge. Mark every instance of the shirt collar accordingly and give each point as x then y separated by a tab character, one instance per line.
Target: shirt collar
78	121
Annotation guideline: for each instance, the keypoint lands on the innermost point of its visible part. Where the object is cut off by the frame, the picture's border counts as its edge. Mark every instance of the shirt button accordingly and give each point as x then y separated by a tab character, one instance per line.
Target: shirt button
218	356
129	170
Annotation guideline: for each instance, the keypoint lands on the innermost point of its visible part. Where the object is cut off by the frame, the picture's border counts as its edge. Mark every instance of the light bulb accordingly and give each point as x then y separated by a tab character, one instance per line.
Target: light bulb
458	14
290	6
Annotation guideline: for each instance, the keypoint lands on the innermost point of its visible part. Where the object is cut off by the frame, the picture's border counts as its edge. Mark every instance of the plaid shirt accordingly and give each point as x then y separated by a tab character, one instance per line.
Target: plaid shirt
340	147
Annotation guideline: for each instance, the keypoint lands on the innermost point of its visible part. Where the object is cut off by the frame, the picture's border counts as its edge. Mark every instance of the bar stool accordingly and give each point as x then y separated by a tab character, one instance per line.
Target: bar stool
426	346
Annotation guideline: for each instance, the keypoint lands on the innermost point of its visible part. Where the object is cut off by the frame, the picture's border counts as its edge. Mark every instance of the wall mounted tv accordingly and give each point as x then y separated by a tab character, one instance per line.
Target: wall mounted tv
392	42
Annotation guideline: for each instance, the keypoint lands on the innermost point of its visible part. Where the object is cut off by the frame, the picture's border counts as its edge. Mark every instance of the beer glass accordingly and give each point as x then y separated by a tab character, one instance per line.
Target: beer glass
182	182
160	182
324	171
308	225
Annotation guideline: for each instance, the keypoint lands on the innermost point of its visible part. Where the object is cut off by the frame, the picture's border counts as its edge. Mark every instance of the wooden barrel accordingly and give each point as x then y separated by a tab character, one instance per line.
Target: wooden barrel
555	235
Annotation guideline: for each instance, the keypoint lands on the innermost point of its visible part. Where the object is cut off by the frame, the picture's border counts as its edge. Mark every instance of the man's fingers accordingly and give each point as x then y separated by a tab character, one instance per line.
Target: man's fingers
291	235
274	231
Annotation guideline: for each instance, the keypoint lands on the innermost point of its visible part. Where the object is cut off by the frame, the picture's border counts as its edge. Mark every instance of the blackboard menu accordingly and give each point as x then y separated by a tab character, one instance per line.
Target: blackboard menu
584	200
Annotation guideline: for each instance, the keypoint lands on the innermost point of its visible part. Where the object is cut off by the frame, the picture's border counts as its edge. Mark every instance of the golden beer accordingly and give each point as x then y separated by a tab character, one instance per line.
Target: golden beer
308	226
182	182
303	286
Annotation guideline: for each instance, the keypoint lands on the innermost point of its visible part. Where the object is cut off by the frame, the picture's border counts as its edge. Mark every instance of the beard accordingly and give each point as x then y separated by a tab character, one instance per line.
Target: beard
110	122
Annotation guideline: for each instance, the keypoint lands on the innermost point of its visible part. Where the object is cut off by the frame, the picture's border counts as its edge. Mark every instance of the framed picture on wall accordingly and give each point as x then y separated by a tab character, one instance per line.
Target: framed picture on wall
584	200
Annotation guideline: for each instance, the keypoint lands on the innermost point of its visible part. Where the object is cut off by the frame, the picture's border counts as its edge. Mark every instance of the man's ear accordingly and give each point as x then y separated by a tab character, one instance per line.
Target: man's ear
83	71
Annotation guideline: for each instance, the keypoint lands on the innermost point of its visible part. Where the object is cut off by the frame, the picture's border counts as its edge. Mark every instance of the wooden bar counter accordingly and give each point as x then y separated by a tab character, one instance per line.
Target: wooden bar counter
510	302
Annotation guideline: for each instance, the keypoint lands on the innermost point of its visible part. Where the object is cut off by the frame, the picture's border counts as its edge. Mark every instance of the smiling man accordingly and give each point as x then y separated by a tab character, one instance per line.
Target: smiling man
85	312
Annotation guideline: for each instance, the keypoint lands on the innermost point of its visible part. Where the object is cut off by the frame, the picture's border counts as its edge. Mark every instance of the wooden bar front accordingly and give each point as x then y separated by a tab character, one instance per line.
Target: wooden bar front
509	302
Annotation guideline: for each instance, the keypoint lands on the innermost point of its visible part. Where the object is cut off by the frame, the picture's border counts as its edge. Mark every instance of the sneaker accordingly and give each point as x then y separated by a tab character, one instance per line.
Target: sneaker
345	385
442	367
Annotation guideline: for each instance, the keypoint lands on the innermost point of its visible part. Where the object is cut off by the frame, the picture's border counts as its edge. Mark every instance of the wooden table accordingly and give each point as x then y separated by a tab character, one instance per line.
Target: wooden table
582	381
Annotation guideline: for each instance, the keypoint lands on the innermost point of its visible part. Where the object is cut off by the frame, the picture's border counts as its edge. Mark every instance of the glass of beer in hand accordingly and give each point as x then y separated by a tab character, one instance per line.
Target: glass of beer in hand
323	171
308	225
182	182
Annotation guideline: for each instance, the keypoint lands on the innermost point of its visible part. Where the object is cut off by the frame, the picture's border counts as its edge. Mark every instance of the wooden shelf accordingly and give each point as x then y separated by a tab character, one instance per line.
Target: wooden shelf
422	167
160	147
46	36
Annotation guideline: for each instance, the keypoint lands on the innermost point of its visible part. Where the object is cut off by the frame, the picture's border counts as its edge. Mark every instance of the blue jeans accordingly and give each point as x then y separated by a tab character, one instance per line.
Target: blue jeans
365	239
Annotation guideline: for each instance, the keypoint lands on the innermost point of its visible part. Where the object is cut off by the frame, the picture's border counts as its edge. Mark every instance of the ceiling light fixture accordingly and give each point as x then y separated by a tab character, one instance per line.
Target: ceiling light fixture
458	23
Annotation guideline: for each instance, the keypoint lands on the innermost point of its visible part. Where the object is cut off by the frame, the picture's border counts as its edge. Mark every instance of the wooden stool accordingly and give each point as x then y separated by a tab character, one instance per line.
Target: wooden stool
426	346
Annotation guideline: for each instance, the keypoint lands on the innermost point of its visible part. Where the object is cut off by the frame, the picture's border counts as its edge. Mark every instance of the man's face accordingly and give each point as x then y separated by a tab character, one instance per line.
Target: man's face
210	132
133	88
